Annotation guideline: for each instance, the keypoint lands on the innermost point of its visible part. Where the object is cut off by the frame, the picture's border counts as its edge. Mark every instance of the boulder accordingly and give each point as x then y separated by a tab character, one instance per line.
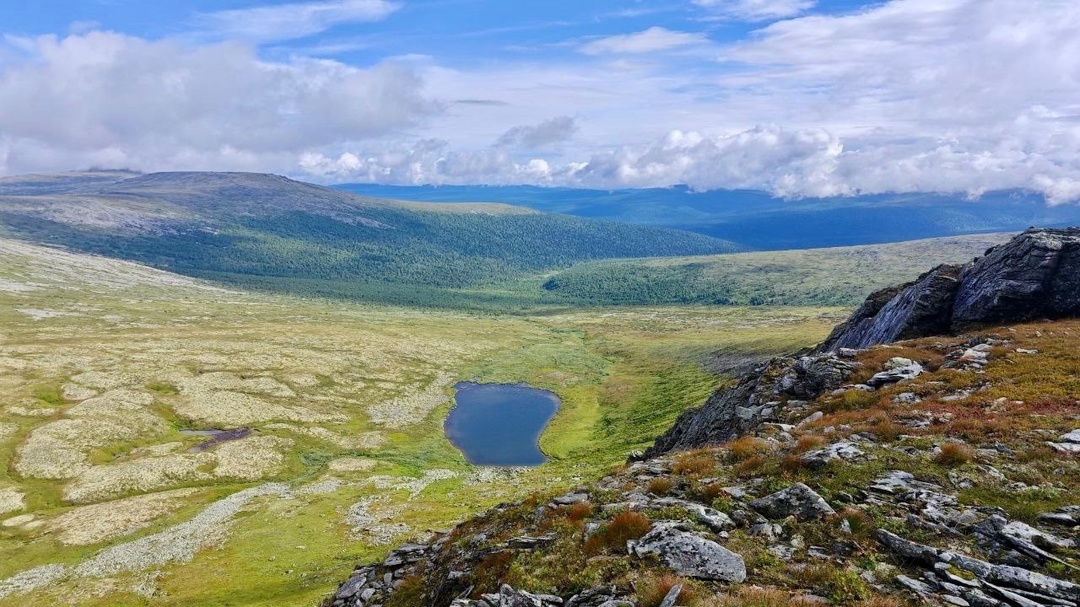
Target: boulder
798	500
691	555
843	450
1035	275
895	375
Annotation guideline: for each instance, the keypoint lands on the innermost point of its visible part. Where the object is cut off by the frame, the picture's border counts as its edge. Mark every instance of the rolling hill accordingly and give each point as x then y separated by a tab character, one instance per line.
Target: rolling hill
267	231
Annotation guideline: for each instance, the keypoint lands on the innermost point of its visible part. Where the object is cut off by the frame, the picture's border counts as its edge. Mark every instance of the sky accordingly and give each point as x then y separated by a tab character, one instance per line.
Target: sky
800	98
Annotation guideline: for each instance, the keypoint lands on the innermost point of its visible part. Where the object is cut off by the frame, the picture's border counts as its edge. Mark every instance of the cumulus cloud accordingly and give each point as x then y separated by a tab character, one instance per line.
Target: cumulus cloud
544	134
428	161
651	40
756	10
291	21
108	99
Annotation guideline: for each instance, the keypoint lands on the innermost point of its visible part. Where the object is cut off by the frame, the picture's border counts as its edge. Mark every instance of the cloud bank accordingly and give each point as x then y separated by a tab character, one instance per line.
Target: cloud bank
907	95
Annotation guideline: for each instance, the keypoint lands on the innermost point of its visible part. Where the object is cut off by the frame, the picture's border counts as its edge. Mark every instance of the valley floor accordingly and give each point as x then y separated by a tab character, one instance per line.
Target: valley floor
106	367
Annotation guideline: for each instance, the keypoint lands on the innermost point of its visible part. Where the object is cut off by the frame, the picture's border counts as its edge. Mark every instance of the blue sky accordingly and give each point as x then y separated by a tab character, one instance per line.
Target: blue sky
798	97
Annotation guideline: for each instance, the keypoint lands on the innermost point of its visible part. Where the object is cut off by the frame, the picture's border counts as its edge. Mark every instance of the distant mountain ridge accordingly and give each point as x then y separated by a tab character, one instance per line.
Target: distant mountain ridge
760	221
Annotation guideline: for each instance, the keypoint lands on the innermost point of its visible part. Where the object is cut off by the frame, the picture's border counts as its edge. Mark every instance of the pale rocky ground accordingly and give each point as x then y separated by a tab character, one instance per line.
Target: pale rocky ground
102	363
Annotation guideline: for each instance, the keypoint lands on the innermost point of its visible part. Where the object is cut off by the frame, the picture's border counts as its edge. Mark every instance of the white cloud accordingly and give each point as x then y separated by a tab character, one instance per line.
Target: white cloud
756	10
108	99
295	20
652	40
544	134
908	95
428	161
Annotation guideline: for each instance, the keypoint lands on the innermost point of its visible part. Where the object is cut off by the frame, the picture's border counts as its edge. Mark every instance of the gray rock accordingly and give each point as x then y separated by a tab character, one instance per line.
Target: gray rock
350	588
691	555
1071	437
798	500
671	596
1035	275
571	498
843	450
898	374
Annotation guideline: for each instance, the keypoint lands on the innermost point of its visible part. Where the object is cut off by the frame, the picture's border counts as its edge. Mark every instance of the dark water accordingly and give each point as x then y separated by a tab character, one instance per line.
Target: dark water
500	424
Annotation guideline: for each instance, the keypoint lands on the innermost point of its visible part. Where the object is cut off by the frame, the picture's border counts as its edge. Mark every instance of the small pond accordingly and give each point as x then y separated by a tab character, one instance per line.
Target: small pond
500	424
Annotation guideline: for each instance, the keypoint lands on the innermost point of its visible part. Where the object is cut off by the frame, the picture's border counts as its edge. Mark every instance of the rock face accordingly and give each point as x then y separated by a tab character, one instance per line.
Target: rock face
731	413
1035	275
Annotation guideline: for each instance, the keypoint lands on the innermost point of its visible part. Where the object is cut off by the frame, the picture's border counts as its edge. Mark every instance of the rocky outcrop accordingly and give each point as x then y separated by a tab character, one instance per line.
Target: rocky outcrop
757	398
1035	275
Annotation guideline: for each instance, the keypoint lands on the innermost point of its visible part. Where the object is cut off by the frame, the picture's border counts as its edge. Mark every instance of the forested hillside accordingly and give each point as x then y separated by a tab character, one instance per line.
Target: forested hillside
271	232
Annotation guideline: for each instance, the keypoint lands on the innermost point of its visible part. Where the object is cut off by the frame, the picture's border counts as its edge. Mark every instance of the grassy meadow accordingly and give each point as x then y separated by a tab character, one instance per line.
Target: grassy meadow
109	370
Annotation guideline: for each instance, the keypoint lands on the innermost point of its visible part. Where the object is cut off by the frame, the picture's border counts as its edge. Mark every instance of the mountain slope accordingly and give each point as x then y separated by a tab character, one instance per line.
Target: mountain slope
937	471
269	231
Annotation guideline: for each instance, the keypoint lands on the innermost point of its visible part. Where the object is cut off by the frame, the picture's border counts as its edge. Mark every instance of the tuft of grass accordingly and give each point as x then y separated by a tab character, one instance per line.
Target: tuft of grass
694	463
653	588
613	536
808	442
163	388
841	586
660	485
756	596
954	454
748	446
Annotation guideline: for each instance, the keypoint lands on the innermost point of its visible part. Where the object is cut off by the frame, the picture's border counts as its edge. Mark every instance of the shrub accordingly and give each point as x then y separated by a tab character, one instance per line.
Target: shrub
613	536
954	454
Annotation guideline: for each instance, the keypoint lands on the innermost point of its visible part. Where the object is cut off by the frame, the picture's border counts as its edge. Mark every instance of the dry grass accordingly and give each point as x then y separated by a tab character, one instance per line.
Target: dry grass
612	536
695	463
746	447
954	454
660	485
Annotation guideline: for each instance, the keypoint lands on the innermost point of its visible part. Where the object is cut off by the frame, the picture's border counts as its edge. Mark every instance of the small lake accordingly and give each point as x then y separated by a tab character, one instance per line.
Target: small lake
500	424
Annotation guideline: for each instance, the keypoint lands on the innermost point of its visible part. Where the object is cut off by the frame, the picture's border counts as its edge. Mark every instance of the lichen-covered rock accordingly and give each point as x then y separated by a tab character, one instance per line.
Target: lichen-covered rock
691	555
798	500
